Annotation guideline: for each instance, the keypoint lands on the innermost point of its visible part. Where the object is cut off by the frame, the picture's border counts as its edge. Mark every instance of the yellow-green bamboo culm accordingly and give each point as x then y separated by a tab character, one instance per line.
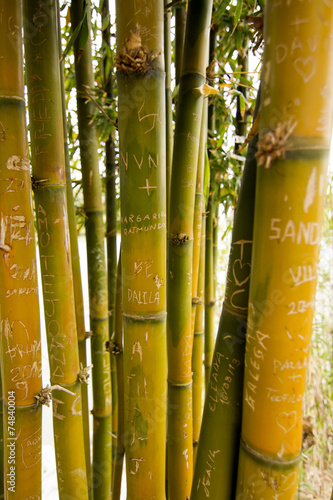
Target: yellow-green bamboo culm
97	276
77	278
19	309
168	99
111	217
180	249
141	125
210	230
49	183
209	286
216	464
198	283
117	349
293	152
198	346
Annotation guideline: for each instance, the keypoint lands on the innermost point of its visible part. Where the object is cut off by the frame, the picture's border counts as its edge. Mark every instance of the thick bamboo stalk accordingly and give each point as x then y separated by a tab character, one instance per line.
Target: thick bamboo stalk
220	430
296	116
117	347
111	220
97	276
76	269
141	121
180	247
19	309
48	162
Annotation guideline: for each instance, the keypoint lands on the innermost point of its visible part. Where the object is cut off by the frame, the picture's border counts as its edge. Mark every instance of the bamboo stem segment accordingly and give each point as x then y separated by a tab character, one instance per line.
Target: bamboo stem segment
19	308
141	121
295	134
48	162
180	249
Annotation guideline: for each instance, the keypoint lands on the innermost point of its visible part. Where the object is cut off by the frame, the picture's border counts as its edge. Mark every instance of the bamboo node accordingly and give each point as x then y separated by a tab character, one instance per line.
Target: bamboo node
84	374
113	347
197	301
179	238
88	335
45	395
36	182
257	22
210	71
273	145
135	57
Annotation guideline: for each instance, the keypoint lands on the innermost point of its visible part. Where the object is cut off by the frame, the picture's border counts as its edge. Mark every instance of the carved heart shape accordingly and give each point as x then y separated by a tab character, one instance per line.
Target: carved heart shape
305	67
287	421
241	272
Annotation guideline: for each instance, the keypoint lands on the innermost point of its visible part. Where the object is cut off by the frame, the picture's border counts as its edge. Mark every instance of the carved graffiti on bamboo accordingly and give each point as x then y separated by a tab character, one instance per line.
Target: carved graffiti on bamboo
222	375
257	348
143	161
241	270
31	449
152	118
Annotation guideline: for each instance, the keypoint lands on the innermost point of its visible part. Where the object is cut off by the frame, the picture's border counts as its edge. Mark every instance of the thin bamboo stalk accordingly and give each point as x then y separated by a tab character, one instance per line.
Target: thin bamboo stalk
168	100
111	221
19	309
220	430
48	162
141	122
180	248
198	347
180	17
296	115
209	288
118	351
77	279
211	235
198	292
97	275
2	450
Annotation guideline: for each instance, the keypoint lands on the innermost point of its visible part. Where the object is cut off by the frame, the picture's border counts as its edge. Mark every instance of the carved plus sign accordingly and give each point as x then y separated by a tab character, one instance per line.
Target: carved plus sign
148	187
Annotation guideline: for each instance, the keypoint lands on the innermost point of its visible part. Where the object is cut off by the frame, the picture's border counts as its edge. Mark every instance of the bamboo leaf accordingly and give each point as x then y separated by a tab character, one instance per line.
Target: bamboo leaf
238	11
221	9
75	34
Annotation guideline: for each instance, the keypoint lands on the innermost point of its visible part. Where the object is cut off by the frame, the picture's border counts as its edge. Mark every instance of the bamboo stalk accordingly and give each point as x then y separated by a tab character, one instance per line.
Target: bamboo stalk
209	289
118	352
198	291
211	235
111	222
220	430
97	276
180	17
19	309
198	347
296	119
168	99
48	162
180	248
141	120
76	270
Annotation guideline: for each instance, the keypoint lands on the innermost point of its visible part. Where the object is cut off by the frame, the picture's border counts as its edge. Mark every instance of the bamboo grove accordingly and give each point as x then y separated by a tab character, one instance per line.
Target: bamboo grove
139	125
